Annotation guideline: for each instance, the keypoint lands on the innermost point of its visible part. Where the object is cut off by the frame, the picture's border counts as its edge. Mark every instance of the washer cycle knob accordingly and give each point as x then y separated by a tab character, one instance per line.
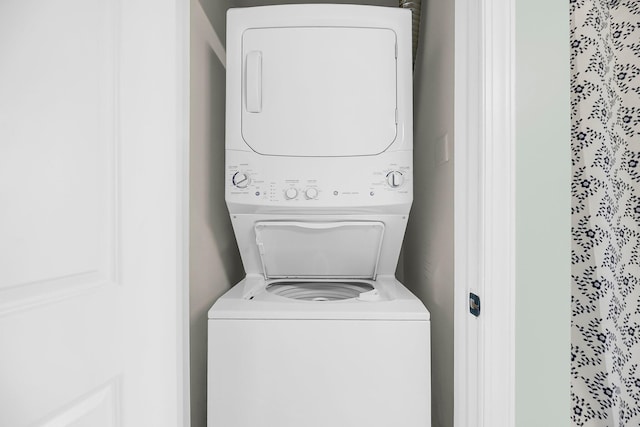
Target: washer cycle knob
311	193
291	193
395	179
241	180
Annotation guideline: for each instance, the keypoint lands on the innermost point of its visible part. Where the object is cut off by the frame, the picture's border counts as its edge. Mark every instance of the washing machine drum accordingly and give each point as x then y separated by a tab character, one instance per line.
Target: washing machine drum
319	291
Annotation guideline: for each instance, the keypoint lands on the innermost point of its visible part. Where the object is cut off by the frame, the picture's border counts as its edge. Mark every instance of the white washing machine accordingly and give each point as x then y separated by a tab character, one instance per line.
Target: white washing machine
319	185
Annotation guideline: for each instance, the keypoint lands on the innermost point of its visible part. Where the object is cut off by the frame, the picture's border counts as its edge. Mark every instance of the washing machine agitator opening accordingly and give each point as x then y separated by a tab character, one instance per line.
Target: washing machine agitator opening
319	291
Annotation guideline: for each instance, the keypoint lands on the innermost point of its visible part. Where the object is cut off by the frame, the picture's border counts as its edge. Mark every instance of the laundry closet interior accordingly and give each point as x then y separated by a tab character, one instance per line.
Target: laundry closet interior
425	265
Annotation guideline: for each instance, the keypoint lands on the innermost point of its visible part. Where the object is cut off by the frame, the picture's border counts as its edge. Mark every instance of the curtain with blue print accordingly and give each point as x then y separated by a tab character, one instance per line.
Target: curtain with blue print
605	112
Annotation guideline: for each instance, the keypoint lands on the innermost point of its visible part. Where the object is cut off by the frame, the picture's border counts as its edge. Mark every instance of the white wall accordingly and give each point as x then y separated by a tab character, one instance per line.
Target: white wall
543	221
215	263
428	251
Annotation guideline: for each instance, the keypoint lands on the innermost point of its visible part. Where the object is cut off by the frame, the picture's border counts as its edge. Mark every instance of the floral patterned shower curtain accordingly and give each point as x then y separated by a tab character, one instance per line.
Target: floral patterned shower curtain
605	111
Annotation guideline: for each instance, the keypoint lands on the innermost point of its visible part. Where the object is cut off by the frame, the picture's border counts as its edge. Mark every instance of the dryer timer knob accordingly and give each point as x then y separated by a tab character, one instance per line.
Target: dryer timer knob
240	180
311	193
395	179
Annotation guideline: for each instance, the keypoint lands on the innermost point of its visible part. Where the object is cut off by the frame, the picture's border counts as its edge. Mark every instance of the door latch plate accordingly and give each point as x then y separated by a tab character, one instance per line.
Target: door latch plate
474	304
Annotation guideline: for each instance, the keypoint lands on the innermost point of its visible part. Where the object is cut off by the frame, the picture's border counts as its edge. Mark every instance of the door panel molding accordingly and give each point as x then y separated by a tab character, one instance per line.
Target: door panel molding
104	149
32	295
98	408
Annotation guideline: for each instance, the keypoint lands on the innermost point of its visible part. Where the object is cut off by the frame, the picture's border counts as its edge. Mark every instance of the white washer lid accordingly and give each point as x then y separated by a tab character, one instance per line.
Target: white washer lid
345	249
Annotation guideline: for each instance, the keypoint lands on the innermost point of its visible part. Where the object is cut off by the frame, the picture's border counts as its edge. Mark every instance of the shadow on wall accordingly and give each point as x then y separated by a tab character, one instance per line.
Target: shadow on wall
216	209
215	263
429	250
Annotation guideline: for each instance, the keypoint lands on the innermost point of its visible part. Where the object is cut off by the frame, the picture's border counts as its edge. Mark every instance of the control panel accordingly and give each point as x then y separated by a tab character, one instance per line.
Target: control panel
319	181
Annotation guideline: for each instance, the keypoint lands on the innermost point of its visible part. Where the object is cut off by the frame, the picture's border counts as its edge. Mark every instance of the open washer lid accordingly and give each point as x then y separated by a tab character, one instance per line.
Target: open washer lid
346	249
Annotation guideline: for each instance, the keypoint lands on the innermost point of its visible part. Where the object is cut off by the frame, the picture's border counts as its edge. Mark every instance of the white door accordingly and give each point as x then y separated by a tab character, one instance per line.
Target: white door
92	213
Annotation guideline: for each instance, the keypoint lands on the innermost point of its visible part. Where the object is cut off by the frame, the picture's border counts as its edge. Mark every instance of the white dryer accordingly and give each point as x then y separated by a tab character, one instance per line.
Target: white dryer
319	185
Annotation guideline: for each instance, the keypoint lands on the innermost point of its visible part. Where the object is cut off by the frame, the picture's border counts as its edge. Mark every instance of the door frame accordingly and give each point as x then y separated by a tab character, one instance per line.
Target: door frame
485	202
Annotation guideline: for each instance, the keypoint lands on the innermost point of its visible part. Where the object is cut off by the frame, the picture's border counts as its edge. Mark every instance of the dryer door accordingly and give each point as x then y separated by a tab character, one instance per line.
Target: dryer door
319	91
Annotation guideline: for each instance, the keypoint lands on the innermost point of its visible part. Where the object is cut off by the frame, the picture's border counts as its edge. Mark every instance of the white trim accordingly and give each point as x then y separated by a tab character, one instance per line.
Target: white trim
499	214
484	366
183	48
467	209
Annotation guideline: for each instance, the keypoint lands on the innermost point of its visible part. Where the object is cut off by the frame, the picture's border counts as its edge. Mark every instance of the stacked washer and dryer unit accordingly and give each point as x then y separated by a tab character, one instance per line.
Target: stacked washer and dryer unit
319	183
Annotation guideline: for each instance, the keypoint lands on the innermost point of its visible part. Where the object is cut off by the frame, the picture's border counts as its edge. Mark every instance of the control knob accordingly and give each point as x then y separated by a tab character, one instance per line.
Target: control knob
291	193
311	193
240	180
395	179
